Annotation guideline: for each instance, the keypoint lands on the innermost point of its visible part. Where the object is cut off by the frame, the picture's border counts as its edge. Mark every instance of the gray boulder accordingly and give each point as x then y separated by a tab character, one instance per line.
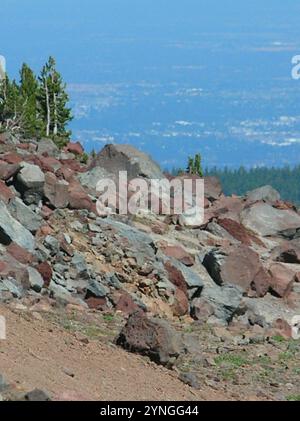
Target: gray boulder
30	183
12	286
79	268
31	176
265	220
61	294
90	178
265	312
212	188
135	243
96	289
115	158
224	300
35	279
12	230
266	193
47	146
24	215
52	244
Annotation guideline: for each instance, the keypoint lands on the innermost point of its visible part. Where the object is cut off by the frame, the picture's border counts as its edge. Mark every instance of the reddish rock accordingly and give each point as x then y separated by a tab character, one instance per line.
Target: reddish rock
159	227
5	193
12	158
33	159
49	164
75	148
152	337
67	248
236	265
56	191
46	272
65	173
125	304
8	170
24	146
201	309
214	241
73	165
20	254
3	266
46	212
281	327
239	232
176	277
180	254
12	267
79	199
44	231
96	303
261	283
181	303
225	207
282	279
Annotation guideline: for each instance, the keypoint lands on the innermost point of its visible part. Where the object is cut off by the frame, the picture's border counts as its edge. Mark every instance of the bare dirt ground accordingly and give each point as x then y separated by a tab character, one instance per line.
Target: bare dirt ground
39	353
69	353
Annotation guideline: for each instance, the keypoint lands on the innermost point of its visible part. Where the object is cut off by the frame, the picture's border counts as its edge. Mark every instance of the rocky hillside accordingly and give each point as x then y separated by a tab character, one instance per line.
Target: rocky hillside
200	300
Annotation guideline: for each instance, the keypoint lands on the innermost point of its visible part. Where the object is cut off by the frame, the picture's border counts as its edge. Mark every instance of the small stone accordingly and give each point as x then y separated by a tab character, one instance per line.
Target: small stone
82	338
77	226
52	244
94	228
95	289
3	384
68	372
35	279
190	379
37	395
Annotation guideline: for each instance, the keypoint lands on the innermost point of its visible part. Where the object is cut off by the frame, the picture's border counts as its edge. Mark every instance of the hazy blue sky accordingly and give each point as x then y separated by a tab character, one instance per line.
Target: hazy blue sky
102	31
173	77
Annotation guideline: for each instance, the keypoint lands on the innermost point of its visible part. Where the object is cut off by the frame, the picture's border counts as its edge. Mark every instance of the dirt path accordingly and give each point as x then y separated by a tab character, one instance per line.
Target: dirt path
40	354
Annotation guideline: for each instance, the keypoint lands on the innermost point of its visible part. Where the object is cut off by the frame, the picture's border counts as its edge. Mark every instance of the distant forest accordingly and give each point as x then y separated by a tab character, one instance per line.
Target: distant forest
286	180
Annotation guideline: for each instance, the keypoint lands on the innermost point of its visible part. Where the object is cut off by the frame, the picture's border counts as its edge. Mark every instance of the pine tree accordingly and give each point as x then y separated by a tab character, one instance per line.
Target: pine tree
198	165
190	167
32	122
10	106
195	165
53	99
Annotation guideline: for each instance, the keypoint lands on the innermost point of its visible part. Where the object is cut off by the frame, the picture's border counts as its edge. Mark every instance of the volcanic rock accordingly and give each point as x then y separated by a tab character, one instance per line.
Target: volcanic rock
152	337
